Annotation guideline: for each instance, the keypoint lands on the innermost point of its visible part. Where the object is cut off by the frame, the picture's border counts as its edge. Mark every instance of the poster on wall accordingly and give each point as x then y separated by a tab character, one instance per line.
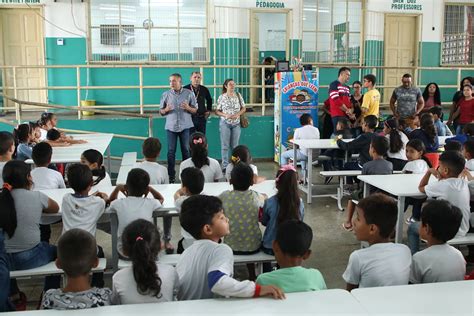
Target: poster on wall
296	93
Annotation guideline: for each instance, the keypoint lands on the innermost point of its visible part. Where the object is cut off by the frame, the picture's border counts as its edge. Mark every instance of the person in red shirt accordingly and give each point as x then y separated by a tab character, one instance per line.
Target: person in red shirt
339	97
465	109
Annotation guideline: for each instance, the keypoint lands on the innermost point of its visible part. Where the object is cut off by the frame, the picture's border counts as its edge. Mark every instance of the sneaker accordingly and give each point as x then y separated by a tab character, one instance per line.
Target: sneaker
410	220
172	180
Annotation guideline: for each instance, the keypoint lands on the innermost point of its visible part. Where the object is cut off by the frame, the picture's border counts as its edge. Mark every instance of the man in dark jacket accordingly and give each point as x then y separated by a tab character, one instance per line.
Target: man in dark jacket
204	101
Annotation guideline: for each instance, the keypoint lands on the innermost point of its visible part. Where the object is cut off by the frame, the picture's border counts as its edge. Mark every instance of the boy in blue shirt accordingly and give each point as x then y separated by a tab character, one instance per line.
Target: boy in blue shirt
291	248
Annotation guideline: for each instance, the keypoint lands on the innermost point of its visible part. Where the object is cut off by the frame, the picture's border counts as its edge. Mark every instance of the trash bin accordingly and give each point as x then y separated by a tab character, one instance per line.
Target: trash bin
85	103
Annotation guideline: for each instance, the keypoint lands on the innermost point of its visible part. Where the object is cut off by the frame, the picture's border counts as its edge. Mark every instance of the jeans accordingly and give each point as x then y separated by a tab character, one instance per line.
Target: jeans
414	237
199	124
459	129
230	135
5	304
337	158
289	154
184	144
335	119
37	256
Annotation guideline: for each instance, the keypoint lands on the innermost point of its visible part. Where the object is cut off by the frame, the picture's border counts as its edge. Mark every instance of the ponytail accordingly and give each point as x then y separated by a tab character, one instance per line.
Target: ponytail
141	243
198	147
287	194
99	174
396	143
94	156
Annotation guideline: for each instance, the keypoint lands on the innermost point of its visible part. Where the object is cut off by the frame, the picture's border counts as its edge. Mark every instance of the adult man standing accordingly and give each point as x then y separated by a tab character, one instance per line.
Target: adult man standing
409	99
371	102
177	104
339	97
204	102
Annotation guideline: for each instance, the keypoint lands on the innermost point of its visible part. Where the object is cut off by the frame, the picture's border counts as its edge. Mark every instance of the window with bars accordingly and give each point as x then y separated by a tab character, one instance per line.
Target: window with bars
331	31
149	31
458	37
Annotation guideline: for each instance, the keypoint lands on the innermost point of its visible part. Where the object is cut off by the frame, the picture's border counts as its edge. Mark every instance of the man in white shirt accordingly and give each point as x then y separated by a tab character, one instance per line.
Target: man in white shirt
306	131
43	177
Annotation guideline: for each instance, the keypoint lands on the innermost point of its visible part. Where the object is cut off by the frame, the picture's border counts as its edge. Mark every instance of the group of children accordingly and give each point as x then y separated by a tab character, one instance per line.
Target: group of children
216	228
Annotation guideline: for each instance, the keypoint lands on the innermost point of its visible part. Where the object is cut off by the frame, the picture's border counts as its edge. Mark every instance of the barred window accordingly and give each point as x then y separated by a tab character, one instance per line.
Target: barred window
458	38
331	31
149	30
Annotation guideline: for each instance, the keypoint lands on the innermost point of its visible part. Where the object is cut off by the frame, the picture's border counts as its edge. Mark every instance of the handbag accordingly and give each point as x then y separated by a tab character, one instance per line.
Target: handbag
244	120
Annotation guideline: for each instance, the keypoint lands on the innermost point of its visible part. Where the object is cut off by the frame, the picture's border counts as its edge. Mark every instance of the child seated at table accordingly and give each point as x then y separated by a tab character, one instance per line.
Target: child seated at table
49	121
192	183
23	139
135	205
453	145
337	155
205	269
467	134
7	149
382	263
81	210
199	158
151	149
450	187
441	128
306	131
241	153
426	133
292	247
43	177
360	145
94	160
468	152
378	165
77	256
242	207
439	262
146	280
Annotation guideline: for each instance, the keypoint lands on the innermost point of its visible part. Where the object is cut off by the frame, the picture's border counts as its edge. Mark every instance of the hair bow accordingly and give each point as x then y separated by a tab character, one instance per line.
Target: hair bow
234	159
7	186
139	238
285	168
197	141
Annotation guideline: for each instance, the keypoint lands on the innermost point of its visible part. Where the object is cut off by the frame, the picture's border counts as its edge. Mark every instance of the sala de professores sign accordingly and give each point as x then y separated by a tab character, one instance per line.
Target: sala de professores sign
406	5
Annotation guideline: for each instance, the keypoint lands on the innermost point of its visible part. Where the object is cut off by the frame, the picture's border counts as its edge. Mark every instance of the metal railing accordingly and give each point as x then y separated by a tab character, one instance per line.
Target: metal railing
141	107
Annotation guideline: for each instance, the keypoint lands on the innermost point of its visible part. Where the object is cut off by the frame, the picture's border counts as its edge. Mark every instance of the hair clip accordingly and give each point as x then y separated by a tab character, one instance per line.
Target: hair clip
7	186
234	159
198	141
139	238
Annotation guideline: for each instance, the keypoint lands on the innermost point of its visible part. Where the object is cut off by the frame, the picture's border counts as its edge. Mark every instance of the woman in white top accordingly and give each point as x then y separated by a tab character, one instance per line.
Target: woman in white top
398	141
230	106
199	159
146	281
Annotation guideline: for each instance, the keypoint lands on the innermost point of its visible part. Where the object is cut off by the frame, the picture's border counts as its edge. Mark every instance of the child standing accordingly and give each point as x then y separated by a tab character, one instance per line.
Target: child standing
468	152
7	149
241	153
383	263
135	205
146	281
95	162
77	256
192	183
199	159
439	262
207	266
151	149
450	187
43	177
378	165
23	138
291	248
284	206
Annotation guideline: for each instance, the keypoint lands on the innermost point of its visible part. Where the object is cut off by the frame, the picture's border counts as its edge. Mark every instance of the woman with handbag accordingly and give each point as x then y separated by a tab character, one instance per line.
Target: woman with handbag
230	107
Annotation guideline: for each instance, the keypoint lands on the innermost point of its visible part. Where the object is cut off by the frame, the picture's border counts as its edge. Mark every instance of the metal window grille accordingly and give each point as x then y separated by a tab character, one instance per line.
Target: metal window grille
458	38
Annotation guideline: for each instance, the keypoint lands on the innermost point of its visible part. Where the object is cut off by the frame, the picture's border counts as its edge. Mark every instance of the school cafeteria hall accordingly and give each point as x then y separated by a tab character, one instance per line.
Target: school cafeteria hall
237	157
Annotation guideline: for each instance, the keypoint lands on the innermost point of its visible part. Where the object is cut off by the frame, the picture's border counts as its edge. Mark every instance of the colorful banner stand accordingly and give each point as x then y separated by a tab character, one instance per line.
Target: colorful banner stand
296	93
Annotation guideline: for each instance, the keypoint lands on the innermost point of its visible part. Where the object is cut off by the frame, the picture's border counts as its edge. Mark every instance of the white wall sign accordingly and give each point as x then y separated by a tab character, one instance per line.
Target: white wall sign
405	5
20	1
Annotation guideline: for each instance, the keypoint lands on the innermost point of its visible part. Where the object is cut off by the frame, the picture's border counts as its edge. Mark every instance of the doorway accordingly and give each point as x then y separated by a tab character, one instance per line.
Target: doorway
21	37
401	49
269	39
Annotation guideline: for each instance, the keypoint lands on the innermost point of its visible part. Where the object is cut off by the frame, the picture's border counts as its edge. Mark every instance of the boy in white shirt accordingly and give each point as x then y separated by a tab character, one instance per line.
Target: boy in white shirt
135	205
383	263
43	177
450	187
468	152
81	210
151	149
439	262
7	148
306	131
205	269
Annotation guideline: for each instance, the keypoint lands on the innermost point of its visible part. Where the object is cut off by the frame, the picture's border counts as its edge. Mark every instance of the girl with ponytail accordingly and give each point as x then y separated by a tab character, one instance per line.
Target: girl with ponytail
146	281
95	161
397	141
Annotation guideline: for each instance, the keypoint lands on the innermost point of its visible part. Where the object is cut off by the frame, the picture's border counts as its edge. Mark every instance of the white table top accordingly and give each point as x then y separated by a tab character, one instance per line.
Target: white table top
446	298
318	143
327	302
168	191
72	153
396	184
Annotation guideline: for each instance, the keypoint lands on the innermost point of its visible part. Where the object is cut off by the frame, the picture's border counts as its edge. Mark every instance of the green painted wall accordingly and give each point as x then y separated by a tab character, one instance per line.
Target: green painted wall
258	136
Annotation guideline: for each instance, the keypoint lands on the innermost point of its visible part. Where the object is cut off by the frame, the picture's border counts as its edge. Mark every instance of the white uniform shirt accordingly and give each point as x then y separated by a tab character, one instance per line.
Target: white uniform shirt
124	286
382	264
212	172
45	179
230	166
401	154
81	212
456	192
103	185
158	173
132	208
469	165
438	263
306	132
418	166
